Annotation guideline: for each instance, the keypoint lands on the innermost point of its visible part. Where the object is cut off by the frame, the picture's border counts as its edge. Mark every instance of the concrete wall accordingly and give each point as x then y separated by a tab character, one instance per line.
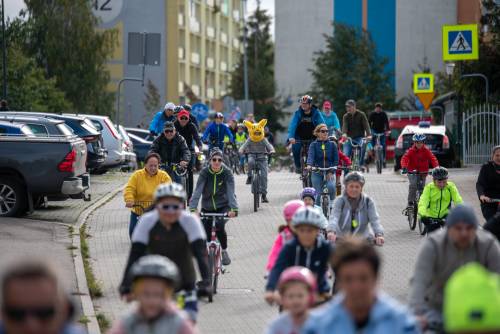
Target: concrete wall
418	36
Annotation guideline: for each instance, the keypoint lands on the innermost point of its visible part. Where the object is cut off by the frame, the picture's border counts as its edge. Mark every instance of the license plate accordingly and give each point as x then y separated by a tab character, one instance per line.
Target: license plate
86	180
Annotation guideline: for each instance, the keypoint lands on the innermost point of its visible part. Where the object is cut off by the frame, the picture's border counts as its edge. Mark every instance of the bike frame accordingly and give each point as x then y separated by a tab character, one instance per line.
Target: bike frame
356	153
325	193
304	151
379	154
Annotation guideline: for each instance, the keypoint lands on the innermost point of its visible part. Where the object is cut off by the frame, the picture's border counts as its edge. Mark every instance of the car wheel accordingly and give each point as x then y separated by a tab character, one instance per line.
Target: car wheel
13	201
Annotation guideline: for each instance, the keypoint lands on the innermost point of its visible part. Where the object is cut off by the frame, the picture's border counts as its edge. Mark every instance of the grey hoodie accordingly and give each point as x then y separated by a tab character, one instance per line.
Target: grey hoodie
366	215
216	190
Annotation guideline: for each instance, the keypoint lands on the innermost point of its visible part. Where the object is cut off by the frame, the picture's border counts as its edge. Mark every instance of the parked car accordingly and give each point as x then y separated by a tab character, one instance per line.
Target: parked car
113	142
436	140
15	129
83	128
40	126
141	146
34	167
128	150
141	133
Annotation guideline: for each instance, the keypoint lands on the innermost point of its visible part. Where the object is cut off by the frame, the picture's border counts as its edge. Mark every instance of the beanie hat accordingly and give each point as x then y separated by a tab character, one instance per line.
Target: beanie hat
216	152
462	214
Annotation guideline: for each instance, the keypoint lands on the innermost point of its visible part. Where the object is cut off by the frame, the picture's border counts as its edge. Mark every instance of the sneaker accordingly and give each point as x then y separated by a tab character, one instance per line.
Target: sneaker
384	164
249	180
225	258
298	171
264	199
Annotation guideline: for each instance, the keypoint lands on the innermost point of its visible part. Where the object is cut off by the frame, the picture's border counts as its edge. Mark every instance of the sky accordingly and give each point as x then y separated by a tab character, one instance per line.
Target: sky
12	7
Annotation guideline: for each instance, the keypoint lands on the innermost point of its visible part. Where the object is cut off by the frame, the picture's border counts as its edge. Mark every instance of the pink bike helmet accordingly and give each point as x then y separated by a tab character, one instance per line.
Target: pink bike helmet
298	274
291	207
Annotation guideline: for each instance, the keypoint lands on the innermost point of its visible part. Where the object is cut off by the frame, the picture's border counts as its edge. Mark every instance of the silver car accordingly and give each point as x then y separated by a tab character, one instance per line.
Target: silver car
128	150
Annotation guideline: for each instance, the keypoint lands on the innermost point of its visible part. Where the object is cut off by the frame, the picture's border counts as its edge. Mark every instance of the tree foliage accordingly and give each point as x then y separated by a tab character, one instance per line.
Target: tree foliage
151	99
262	87
349	68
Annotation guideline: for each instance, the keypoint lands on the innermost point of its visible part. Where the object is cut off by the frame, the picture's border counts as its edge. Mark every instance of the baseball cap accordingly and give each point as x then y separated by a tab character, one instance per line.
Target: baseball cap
183	113
168	125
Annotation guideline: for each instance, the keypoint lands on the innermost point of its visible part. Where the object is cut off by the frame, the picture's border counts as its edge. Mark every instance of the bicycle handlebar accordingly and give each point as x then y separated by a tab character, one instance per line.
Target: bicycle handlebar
177	168
321	169
416	173
214	215
349	139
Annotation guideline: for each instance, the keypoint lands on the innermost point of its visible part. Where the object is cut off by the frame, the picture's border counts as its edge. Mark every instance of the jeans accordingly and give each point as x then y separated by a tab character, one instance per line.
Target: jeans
382	142
133	223
348	149
317	182
412	190
261	161
220	227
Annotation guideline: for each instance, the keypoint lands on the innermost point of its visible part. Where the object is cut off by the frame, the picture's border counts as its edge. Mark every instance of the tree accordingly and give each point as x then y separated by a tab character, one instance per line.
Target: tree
151	98
62	37
262	87
349	68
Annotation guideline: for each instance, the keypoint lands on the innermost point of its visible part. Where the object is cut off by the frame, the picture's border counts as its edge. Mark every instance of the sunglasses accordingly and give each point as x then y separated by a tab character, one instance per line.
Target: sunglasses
323	131
20	314
183	118
217	160
168	131
169	207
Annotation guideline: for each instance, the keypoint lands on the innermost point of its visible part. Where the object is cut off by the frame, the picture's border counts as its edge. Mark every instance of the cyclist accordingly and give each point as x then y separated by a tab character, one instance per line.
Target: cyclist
285	233
167	115
217	133
323	153
172	232
331	119
154	279
308	196
257	147
355	213
417	158
233	126
189	132
355	125
360	308
240	138
192	118
304	120
173	149
141	187
379	123
472	301
488	187
460	242
308	249
436	199
297	290
215	188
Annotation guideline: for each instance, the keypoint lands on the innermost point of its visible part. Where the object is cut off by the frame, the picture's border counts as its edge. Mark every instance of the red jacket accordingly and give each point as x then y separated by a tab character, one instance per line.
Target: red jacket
419	159
344	161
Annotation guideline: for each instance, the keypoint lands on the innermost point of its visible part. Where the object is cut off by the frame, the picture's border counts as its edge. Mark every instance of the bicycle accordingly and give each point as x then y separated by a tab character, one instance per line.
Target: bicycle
231	157
412	211
179	170
379	152
215	266
325	193
434	224
256	181
304	151
346	170
357	159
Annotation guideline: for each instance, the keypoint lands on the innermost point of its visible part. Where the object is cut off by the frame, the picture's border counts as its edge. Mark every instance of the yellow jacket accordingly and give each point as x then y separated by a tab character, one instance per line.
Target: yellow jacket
141	187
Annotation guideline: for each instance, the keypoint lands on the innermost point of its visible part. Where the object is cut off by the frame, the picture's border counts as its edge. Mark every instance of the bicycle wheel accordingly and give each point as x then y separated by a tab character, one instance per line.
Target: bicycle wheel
411	218
421	226
325	205
216	276
211	273
255	191
378	160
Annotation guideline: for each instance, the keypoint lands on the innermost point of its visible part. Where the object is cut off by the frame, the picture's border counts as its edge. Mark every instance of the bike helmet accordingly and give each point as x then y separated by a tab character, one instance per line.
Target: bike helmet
354	177
306	99
308	216
308	192
170	190
169	106
298	274
155	266
219	115
241	125
291	207
187	107
439	173
472	300
418	137
178	109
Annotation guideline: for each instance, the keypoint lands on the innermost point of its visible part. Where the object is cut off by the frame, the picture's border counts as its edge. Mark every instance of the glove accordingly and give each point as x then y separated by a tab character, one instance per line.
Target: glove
404	170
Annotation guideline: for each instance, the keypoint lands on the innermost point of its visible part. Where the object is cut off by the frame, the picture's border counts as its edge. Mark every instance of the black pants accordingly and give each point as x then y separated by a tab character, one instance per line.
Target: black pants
492	215
220	229
431	225
489	210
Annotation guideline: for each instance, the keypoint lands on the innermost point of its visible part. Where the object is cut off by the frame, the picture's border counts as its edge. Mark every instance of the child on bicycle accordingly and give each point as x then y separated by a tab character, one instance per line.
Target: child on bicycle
436	199
257	147
323	153
297	289
308	196
154	280
417	158
285	232
307	249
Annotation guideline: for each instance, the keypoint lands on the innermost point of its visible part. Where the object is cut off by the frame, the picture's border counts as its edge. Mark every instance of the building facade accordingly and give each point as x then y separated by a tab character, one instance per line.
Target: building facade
195	44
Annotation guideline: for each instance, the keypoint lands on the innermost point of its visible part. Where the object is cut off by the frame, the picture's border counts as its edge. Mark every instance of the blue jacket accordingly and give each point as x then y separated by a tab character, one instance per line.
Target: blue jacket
294	254
317	118
158	121
386	316
331	121
323	154
216	133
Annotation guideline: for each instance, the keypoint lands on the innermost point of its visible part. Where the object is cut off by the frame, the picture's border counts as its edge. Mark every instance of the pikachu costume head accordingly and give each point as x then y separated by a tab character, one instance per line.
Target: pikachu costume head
256	130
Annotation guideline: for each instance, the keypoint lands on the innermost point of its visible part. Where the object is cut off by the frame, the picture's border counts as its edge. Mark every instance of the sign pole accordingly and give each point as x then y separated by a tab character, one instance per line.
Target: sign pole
4	53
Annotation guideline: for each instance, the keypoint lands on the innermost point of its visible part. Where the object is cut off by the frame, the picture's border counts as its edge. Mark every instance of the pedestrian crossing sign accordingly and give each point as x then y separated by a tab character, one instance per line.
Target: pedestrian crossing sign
423	83
460	42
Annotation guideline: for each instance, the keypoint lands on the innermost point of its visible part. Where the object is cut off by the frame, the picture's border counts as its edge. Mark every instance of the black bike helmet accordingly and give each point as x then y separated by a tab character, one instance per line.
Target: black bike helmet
155	266
187	107
439	173
178	109
354	177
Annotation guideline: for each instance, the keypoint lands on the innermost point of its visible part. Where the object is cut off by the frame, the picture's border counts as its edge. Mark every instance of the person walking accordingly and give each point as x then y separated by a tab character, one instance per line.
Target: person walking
355	126
488	188
379	123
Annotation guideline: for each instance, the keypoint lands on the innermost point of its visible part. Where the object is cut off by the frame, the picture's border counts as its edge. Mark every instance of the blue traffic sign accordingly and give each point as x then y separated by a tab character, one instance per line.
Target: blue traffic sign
460	42
200	111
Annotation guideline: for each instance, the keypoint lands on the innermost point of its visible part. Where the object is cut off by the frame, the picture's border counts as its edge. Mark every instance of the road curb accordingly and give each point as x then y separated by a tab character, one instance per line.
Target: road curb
81	280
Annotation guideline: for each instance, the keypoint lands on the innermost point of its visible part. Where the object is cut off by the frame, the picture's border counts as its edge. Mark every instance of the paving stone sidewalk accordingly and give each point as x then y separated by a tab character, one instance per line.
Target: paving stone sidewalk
239	307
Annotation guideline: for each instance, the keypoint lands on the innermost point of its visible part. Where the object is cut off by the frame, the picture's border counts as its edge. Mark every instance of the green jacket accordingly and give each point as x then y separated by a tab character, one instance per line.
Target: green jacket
435	202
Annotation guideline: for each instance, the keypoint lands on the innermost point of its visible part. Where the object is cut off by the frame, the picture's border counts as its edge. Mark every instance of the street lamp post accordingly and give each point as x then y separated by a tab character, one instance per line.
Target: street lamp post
245	60
117	116
4	53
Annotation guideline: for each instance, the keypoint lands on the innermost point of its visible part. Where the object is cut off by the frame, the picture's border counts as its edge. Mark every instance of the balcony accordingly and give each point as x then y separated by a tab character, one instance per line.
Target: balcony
236	43
181	53
210	3
223	66
195	58
223	37
236	15
194	25
210	32
195	89
181	20
210	63
210	93
181	88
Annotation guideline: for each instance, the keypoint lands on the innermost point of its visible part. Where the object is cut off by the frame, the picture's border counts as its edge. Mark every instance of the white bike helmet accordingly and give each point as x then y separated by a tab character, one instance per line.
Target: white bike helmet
170	190
308	216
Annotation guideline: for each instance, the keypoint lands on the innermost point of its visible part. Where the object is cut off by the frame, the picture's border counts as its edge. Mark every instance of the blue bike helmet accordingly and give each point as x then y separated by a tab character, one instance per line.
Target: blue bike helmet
418	137
308	192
